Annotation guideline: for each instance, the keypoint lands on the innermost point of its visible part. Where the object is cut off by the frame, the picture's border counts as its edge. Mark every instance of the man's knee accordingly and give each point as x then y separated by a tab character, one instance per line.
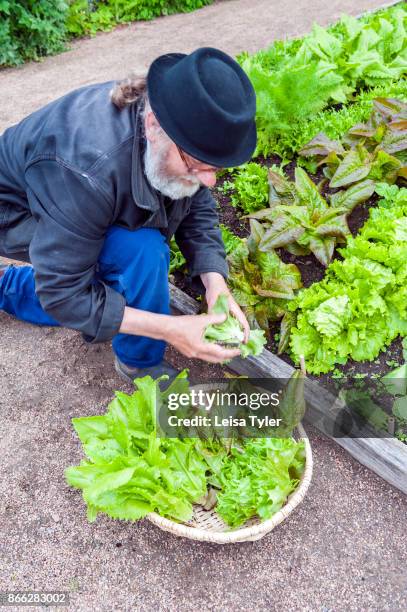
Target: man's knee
144	248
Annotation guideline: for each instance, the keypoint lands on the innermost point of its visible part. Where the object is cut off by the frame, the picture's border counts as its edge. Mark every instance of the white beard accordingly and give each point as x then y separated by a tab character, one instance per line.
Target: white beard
155	171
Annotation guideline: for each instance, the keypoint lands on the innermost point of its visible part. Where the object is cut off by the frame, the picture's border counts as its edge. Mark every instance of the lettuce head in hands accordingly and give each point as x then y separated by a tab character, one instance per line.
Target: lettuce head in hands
230	333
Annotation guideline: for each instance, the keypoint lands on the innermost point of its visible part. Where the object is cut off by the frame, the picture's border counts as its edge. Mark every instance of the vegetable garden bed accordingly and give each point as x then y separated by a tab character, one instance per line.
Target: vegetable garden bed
385	456
315	227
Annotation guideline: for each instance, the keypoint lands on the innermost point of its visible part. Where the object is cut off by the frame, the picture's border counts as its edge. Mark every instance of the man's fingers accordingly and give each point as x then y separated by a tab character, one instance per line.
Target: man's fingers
216	354
213	319
238	313
230	353
210	305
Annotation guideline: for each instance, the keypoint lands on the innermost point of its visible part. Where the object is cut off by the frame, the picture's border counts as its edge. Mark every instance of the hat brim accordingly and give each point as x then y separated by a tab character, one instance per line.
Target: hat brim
156	95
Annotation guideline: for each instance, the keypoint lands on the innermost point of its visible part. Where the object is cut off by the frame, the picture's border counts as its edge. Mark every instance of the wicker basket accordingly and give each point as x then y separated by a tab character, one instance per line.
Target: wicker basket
207	526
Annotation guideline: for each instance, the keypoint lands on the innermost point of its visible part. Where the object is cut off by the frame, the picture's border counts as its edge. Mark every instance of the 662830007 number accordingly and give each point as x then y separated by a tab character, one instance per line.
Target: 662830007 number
34	598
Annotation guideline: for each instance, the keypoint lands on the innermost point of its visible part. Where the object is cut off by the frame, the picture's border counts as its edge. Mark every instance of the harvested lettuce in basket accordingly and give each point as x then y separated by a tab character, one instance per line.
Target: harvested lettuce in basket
229	333
130	470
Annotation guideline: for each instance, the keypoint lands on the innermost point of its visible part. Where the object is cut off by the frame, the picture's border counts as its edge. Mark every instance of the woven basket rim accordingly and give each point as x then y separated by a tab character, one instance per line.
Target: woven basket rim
254	532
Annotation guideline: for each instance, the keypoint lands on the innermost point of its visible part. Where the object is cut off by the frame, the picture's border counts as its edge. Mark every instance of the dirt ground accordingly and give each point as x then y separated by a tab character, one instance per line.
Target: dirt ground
343	549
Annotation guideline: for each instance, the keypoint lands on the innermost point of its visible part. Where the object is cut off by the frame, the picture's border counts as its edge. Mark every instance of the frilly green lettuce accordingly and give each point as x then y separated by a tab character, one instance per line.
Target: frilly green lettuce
361	304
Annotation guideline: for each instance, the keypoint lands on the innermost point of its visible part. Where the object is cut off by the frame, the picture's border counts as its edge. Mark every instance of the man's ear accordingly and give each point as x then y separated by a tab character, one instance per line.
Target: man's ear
151	126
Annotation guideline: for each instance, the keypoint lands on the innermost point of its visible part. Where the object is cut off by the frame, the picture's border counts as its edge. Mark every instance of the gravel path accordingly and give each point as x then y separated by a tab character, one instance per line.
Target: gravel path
343	549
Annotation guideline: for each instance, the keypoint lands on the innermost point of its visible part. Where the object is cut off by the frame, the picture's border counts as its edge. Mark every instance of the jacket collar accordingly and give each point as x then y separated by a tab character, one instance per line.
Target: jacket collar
144	195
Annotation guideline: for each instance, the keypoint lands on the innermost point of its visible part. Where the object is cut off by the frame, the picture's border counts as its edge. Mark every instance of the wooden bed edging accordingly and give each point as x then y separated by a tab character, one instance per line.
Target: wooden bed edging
387	457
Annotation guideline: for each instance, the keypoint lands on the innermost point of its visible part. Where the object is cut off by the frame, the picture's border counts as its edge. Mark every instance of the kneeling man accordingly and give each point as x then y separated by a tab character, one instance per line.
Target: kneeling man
94	185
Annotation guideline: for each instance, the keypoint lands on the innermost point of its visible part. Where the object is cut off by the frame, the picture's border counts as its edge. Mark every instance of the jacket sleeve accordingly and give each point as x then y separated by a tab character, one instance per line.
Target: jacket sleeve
72	217
199	237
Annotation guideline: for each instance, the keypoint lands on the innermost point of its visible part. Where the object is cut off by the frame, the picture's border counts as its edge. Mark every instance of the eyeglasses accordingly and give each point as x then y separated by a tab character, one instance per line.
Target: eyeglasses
194	169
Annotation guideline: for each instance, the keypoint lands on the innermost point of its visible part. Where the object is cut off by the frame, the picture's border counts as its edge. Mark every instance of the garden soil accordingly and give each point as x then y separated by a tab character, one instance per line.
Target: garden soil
344	548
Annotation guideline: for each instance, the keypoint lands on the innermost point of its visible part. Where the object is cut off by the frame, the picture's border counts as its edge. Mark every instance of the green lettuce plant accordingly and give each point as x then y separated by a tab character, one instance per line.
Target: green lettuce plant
373	150
301	220
263	284
250	187
258	480
361	304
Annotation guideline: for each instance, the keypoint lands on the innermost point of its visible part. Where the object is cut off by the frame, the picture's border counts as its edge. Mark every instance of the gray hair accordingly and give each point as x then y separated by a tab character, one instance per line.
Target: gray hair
128	91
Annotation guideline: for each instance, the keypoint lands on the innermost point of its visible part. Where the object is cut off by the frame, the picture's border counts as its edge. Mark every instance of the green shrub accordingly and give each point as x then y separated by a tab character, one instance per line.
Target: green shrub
251	188
30	29
83	19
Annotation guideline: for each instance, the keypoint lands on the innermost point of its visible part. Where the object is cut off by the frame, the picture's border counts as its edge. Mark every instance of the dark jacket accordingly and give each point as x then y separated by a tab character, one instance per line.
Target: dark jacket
67	173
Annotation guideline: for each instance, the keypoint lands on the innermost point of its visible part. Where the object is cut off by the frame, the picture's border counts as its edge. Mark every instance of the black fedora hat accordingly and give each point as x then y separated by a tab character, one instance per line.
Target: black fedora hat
206	104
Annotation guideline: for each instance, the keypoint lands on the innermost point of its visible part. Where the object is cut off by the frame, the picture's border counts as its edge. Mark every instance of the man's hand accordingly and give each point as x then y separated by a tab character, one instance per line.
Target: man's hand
186	335
215	285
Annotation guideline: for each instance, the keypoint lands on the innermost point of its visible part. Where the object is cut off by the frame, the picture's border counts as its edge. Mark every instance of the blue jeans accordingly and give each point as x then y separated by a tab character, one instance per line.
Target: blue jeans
134	263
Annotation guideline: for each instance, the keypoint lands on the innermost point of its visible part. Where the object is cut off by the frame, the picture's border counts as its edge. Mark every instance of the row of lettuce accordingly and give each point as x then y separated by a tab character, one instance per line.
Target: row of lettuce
32	30
358	148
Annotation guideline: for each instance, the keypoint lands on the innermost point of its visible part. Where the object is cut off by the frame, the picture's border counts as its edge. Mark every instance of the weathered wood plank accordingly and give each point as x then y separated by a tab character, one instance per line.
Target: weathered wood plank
182	302
386	457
